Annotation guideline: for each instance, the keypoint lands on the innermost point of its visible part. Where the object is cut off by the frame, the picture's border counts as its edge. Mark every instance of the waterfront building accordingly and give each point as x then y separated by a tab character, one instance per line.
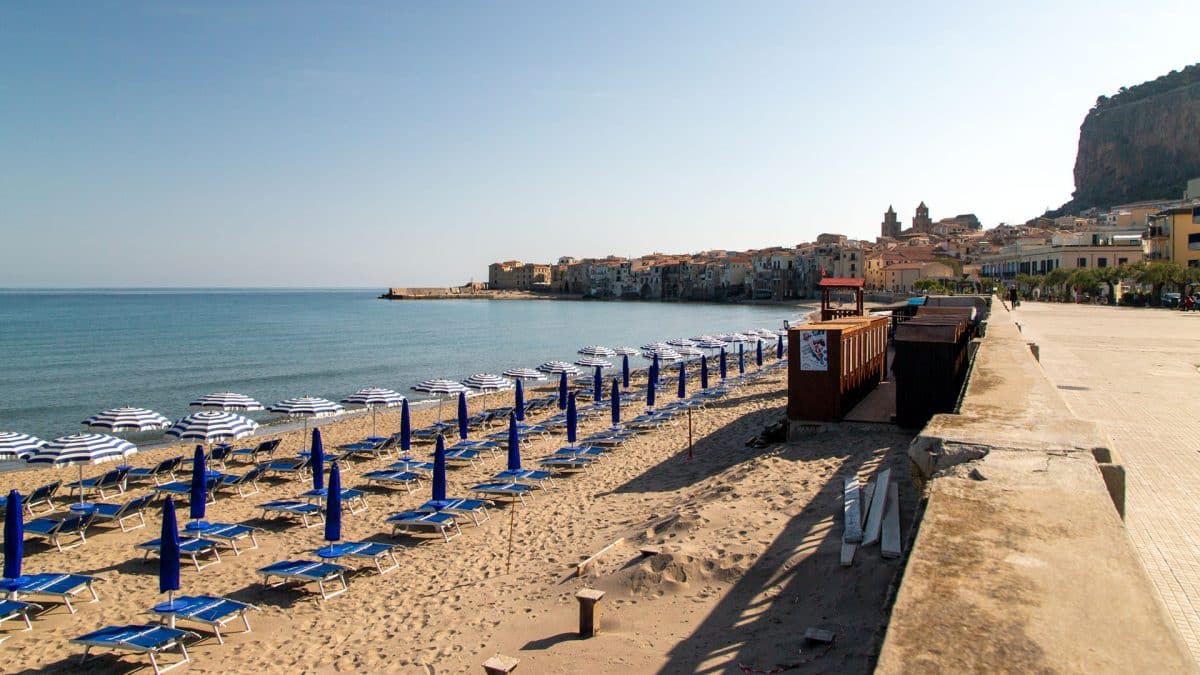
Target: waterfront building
1174	234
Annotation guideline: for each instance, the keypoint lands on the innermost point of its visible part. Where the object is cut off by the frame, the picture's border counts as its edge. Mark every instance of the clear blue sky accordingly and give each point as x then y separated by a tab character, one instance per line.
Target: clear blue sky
374	144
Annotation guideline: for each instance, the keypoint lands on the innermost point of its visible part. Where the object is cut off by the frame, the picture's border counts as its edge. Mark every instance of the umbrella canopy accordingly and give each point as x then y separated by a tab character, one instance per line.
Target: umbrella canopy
524	374
626	351
333	506
709	343
80	449
440	387
704	373
209	426
758	353
616	403
724	371
559	367
651	384
198	495
597	386
405	428
652	346
18	446
625	370
593	362
663	354
688	351
439	470
168	553
307	406
681	391
681	342
462	415
127	419
375	397
597	350
519	402
562	390
514	444
318	460
572	418
14	536
227	400
488	382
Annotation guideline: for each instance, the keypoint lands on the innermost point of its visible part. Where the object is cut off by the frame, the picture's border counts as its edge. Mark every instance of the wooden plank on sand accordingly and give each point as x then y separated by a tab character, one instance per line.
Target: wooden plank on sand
875	516
890	544
868	491
852	510
579	569
848	550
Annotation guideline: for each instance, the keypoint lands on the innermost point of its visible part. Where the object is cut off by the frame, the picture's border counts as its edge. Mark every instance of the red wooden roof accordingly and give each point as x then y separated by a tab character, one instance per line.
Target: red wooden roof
842	282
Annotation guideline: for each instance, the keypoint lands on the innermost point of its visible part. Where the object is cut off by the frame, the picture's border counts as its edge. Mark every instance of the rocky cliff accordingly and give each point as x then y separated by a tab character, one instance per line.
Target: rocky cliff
1142	143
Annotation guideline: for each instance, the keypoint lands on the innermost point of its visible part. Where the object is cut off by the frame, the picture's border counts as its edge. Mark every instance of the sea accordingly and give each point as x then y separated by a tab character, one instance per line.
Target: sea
68	354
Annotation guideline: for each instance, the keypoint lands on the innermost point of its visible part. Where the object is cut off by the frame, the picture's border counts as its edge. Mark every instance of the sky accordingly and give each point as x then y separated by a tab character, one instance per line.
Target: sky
363	144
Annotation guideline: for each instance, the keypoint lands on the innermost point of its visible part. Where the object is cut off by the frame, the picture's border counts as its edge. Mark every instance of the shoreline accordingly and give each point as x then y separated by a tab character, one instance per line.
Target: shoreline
438	294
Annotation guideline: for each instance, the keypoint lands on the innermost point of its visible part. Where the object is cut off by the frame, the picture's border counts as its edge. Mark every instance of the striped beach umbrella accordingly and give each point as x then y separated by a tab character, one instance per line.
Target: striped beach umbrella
597	350
210	426
626	351
229	401
681	342
655	346
524	374
709	343
306	407
686	351
663	354
127	418
556	367
80	449
18	446
594	362
487	382
372	398
440	388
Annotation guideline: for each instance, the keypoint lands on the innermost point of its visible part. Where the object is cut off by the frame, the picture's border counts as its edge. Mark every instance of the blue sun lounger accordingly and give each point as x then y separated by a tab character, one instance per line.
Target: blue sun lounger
511	490
112	480
62	587
287	468
467	507
151	640
11	609
354	500
259	453
163	470
53	529
566	463
463	457
380	450
183	488
42	495
192	547
227	533
392	478
542	480
306	572
591	451
213	613
134	508
242	482
437	521
376	552
410	464
294	508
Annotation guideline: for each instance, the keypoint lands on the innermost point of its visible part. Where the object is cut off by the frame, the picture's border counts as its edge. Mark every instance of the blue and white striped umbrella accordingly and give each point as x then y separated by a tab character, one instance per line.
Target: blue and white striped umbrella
596	350
488	382
80	449
663	354
709	343
210	426
371	397
688	350
440	387
18	446
557	367
626	351
127	419
593	361
307	406
524	374
655	346
227	400
681	342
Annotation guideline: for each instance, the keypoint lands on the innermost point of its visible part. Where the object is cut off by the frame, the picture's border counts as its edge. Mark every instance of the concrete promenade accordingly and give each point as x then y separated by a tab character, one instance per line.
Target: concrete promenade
1134	373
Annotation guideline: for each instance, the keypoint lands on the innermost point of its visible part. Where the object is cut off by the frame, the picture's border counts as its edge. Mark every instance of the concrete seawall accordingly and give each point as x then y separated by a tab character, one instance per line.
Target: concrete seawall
1022	562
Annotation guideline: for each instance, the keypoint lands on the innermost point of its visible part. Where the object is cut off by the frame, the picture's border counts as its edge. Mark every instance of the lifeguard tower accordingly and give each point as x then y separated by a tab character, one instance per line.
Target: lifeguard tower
832	283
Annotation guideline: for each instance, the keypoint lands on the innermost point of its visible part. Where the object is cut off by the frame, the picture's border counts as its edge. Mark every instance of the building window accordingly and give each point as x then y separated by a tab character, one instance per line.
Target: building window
1194	242
1122	261
1081	262
1194	263
1101	262
1196	216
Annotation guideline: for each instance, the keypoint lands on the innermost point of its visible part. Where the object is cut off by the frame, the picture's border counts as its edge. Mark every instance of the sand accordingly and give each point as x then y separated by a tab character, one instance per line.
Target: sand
749	560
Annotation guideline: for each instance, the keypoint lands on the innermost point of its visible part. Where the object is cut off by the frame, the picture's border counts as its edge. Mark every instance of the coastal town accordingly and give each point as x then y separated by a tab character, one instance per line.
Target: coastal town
951	254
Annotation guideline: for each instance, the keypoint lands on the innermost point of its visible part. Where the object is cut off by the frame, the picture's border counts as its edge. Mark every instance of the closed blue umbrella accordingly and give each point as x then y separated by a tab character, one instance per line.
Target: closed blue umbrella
462	415
625	370
681	392
199	493
333	507
597	386
724	372
616	403
318	460
168	552
562	390
405	428
741	359
519	402
514	444
14	538
779	347
758	354
572	418
651	385
654	368
704	372
439	470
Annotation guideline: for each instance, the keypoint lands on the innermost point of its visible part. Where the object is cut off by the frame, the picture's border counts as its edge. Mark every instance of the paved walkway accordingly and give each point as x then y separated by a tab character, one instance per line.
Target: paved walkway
1136	372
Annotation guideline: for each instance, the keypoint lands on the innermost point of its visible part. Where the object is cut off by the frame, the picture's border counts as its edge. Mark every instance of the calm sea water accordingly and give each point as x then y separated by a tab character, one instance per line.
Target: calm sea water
67	355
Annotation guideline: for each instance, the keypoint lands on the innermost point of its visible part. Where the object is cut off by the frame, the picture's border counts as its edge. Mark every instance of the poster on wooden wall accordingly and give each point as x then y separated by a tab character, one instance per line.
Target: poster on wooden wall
814	350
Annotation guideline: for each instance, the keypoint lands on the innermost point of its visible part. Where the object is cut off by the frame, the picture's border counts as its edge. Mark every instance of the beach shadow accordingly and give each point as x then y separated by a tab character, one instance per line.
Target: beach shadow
548	642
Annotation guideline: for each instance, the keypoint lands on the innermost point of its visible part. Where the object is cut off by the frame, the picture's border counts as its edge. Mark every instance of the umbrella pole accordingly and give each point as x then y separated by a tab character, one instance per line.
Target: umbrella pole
372	424
81	487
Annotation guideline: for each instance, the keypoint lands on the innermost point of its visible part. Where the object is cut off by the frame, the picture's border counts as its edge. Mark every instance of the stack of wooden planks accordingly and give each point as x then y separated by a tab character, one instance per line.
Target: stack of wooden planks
871	516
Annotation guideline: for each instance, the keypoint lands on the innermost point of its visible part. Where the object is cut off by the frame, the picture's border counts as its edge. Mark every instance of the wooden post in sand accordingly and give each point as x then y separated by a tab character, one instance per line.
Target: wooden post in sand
589	619
500	665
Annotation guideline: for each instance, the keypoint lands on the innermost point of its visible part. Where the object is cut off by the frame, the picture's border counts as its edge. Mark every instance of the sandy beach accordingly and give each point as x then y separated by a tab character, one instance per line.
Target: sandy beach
749	559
